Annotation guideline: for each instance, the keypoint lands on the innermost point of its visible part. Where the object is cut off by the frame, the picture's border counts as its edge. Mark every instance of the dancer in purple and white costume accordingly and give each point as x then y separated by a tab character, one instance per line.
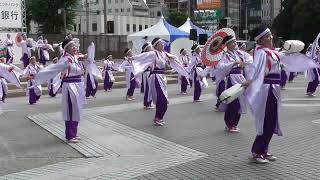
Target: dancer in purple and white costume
40	45
8	43
3	84
185	60
313	75
264	92
195	67
8	73
147	99
55	83
132	81
108	75
34	90
157	59
26	50
93	72
232	66
73	96
264	95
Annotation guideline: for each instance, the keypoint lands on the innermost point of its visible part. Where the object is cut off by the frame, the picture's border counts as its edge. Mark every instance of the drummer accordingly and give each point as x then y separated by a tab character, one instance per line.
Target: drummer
232	66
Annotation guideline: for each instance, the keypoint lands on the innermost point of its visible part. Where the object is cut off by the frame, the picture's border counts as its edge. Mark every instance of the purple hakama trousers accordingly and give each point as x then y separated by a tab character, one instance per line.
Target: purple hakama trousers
33	98
162	103
9	58
221	87
146	103
261	143
142	84
42	60
51	94
184	84
89	90
232	115
291	76
132	86
71	125
4	95
25	60
197	88
312	86
107	84
284	78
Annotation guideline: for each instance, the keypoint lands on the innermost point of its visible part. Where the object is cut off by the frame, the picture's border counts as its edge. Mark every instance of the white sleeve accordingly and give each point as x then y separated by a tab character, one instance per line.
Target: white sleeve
224	66
177	66
142	61
51	71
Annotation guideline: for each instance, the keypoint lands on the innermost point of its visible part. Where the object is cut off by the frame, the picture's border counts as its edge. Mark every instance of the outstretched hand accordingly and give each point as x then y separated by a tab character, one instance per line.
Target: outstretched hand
246	84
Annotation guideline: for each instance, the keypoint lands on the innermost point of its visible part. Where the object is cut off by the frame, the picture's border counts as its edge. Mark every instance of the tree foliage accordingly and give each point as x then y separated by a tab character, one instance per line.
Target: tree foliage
176	18
45	13
300	19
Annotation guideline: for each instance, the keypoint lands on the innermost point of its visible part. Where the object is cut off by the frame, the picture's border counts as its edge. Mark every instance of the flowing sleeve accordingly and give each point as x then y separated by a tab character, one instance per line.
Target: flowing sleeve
224	66
206	71
25	72
297	62
256	76
115	66
49	47
192	63
249	67
51	71
11	73
56	83
177	66
92	68
123	66
142	61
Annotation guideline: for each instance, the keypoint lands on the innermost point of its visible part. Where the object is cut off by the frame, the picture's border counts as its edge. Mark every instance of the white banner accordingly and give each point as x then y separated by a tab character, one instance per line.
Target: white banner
10	14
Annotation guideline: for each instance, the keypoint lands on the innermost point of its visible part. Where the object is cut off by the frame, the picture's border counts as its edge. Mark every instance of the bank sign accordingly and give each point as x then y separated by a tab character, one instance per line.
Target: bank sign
10	14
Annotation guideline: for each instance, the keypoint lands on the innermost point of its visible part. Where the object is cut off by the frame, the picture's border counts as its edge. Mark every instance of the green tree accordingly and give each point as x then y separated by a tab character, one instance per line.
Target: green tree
176	18
283	22
300	19
45	13
306	23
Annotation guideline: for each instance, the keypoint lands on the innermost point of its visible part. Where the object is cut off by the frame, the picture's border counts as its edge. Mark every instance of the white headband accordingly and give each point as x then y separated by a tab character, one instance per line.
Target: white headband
68	44
155	43
149	45
262	34
234	38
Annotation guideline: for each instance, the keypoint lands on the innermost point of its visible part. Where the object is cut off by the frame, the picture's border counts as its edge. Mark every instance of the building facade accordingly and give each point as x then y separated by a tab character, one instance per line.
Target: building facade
231	14
257	12
269	10
123	17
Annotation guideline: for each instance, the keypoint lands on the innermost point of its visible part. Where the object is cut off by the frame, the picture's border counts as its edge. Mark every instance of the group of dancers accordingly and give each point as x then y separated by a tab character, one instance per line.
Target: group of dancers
259	73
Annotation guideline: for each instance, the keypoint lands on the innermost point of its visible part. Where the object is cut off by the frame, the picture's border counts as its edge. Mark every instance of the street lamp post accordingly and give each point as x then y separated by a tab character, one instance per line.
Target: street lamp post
87	16
105	16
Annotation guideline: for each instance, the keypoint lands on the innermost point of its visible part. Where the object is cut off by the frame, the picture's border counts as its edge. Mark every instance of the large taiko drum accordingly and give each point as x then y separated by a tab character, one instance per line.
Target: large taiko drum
293	46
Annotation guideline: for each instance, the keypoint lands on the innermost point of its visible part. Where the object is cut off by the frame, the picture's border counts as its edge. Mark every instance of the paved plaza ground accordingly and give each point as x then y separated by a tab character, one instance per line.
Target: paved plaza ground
119	140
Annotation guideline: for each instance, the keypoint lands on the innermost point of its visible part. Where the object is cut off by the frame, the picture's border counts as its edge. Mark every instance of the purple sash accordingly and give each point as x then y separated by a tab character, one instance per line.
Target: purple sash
272	79
72	79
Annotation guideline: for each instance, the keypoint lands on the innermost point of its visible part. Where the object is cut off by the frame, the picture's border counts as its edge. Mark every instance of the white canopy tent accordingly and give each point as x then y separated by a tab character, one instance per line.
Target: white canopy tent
162	30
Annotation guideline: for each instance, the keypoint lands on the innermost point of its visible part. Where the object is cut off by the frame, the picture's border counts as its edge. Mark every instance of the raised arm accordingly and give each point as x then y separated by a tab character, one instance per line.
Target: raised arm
51	71
142	61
